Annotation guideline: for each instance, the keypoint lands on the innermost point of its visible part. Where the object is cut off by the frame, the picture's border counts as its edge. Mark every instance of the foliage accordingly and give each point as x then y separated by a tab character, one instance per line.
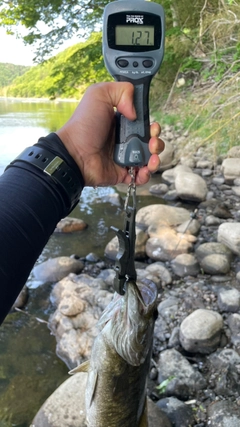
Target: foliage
8	72
65	75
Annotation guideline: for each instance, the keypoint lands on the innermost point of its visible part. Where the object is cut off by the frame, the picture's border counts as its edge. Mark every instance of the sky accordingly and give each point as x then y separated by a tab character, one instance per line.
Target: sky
14	51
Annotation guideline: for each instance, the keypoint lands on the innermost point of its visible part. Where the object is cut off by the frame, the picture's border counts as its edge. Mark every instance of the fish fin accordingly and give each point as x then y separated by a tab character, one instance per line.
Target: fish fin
92	379
84	367
143	422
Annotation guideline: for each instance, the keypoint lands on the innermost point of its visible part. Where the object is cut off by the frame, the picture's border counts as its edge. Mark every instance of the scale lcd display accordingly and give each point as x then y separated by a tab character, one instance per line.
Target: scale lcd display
134	35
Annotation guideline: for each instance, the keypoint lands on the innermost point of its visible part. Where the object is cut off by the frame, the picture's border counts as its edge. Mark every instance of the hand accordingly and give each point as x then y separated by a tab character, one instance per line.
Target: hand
89	135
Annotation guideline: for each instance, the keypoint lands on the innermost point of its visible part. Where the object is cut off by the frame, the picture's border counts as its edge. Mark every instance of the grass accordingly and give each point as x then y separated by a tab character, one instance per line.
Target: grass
210	113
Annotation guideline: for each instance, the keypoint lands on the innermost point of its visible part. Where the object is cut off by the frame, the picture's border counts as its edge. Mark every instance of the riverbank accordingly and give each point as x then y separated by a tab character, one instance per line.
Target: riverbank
193	256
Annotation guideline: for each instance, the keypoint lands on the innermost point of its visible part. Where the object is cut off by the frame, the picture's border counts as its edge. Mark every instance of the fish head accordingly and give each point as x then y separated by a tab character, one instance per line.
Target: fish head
129	321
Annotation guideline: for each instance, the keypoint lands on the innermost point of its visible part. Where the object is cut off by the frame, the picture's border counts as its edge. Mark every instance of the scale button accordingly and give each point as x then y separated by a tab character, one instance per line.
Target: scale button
135	64
122	63
148	63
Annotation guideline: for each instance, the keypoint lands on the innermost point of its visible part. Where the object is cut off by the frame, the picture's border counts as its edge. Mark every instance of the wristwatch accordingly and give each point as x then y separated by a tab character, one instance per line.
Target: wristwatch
56	168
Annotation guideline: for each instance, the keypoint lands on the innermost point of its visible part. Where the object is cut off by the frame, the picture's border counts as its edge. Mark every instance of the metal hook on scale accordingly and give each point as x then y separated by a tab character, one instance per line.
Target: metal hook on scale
124	264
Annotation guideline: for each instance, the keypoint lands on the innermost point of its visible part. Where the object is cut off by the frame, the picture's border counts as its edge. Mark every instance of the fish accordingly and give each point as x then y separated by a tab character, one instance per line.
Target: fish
116	389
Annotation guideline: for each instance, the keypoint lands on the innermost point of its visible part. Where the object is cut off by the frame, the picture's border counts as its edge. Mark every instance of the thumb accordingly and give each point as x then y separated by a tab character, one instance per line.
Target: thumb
121	94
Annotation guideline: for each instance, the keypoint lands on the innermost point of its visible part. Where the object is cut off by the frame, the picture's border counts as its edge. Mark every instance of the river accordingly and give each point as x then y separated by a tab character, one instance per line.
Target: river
29	369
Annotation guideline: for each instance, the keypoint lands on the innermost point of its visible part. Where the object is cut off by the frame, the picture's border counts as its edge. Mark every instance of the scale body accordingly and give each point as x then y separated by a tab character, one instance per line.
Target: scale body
133	49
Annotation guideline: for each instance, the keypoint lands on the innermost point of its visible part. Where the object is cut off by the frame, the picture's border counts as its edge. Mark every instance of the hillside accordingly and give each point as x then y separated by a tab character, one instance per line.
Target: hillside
65	75
8	72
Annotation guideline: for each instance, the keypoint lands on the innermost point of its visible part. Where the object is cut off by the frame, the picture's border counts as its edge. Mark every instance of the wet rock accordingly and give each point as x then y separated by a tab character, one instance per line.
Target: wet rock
224	414
66	406
200	332
22	298
177	411
70	225
79	303
191	187
183	380
158	189
55	269
185	265
229	234
229	300
113	198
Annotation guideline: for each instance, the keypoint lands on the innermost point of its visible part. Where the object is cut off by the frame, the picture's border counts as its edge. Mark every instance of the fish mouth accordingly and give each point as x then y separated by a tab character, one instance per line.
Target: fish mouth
146	292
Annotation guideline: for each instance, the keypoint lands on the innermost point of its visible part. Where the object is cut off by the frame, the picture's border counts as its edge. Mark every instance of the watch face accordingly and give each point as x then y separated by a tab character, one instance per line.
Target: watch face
134	32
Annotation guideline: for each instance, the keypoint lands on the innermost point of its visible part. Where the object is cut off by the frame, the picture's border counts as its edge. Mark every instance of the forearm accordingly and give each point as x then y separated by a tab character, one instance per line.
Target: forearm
31	206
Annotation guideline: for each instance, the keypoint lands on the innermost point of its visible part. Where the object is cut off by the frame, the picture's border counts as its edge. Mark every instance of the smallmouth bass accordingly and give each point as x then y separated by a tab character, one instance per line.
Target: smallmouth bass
120	359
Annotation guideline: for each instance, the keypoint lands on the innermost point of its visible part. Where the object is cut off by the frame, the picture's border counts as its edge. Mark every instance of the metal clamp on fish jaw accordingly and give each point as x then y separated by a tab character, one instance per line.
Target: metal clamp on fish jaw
124	265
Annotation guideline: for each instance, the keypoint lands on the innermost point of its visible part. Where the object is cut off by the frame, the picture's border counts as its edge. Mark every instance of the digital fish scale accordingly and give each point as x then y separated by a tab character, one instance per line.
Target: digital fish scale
133	49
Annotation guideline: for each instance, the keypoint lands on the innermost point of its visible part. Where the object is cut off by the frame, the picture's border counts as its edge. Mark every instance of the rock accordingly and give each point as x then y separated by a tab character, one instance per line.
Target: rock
55	269
182	379
156	417
222	211
92	257
192	226
200	332
215	264
168	308
66	406
229	234
113	198
212	220
213	248
234	152
112	248
231	169
167	245
229	300
22	298
158	189
190	186
204	164
224	414
234	326
185	265
225	358
70	225
166	157
161	272
168	176
79	302
177	411
156	215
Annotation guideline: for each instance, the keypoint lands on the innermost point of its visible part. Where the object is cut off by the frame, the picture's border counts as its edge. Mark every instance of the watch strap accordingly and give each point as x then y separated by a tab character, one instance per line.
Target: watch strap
56	168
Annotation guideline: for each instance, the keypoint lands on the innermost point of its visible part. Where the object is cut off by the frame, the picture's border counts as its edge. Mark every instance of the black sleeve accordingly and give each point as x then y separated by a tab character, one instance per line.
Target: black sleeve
31	204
